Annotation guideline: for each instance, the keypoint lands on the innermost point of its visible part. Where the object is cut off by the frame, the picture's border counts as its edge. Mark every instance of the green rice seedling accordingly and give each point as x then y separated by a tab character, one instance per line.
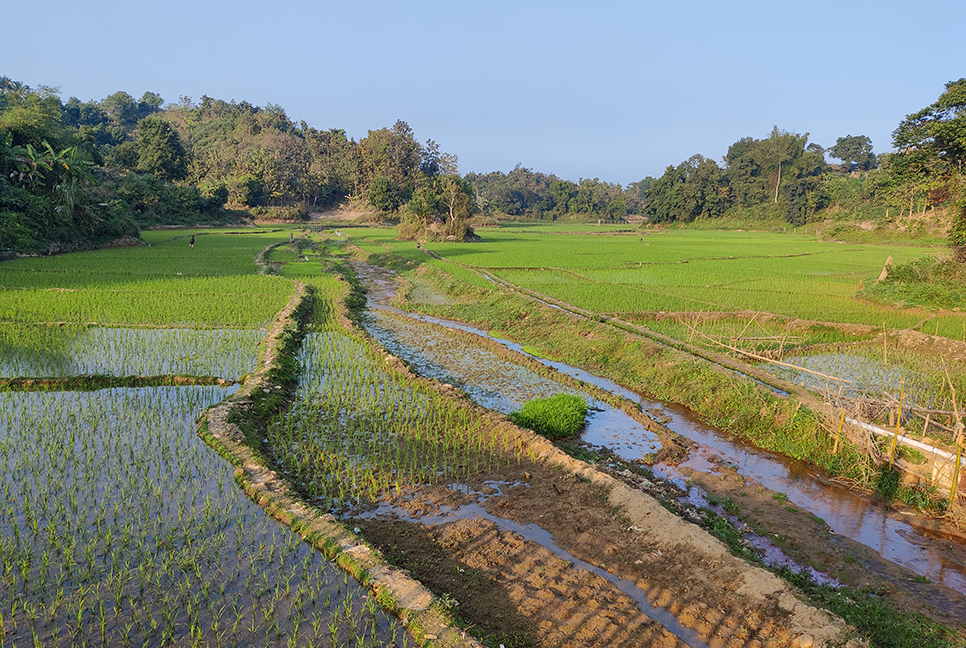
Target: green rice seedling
77	351
557	417
359	428
688	271
115	529
164	285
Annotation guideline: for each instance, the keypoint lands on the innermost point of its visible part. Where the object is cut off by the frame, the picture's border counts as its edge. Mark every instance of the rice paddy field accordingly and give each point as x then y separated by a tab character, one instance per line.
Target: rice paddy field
690	270
119	526
34	350
168	284
360	428
771	294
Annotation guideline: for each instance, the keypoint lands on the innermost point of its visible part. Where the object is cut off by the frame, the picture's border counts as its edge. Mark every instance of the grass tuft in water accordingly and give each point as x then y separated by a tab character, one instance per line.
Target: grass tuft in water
557	417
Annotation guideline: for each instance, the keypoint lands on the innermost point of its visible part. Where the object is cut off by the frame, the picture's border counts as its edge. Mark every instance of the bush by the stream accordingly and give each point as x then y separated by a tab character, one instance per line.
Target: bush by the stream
558	417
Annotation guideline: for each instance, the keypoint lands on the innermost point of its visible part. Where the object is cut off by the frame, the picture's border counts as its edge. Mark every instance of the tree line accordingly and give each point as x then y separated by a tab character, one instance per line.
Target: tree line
782	175
75	173
785	175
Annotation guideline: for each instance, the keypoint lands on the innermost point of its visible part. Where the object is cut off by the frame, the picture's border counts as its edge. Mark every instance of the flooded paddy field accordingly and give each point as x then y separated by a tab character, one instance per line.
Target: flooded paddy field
143	537
364	433
119	526
65	351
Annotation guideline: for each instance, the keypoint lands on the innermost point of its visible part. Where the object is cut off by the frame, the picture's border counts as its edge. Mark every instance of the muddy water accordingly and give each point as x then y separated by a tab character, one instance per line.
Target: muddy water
845	513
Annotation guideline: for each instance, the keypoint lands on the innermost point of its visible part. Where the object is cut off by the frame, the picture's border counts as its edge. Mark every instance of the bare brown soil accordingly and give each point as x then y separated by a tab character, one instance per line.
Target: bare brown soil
941	347
515	591
522	594
343	214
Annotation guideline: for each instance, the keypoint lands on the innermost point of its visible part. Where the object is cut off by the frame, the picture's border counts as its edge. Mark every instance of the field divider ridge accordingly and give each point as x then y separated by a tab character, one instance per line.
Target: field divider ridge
228	428
94	382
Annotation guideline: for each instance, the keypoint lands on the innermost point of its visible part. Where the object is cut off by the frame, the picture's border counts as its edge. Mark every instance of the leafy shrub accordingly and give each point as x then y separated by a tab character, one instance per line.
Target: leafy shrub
291	214
557	417
929	282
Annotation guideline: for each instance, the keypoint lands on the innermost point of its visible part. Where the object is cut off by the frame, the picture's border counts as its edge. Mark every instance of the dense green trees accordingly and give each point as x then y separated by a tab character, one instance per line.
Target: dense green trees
693	189
160	150
526	193
782	169
854	150
75	167
931	150
72	175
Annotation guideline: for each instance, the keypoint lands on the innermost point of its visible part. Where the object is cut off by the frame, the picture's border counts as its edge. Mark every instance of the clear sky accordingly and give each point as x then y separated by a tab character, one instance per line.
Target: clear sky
612	89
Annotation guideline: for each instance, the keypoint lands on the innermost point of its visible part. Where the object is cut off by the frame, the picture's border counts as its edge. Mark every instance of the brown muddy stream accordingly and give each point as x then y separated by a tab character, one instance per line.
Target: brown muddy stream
499	384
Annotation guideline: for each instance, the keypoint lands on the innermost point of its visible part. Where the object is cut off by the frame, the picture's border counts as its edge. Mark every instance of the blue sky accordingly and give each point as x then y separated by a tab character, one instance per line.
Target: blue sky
617	90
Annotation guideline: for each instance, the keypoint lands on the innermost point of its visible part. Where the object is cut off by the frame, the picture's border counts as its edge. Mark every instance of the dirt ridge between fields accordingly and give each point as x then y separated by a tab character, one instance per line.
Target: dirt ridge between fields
392	587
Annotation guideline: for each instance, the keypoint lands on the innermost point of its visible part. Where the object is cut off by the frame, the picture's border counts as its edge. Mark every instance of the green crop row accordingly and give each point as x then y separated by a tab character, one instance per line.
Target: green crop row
214	284
121	528
692	271
360	428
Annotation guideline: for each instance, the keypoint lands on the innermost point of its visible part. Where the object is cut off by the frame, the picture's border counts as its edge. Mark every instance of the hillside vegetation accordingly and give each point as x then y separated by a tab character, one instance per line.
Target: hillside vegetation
77	174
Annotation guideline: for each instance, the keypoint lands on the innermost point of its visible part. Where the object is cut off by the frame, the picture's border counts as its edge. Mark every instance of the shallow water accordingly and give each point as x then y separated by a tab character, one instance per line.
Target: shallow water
113	502
52	352
536	534
866	377
499	384
843	511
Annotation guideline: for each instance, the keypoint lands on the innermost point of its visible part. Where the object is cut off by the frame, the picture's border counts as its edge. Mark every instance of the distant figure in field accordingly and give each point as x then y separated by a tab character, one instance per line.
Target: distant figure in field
192	244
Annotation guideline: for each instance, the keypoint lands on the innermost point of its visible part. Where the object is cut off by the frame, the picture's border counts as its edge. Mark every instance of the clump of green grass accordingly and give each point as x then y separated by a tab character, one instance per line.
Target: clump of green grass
928	281
557	417
876	618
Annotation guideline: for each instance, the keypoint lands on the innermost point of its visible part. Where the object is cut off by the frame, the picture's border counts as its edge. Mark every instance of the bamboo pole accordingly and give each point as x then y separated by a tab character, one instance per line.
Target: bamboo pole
959	439
895	439
838	434
956	467
762	358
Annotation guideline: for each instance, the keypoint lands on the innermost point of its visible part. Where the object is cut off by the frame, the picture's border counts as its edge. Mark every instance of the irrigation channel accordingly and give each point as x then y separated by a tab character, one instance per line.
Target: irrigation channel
500	384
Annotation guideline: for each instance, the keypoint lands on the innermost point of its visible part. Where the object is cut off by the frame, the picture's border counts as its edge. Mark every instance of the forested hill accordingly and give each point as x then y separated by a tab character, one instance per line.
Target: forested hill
76	174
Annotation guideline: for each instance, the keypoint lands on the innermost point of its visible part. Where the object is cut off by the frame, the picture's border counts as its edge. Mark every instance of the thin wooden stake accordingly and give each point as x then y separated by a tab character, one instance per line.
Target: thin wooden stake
959	438
835	449
885	354
895	439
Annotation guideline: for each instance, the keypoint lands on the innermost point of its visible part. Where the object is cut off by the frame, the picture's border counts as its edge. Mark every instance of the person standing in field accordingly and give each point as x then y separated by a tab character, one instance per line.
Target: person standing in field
192	244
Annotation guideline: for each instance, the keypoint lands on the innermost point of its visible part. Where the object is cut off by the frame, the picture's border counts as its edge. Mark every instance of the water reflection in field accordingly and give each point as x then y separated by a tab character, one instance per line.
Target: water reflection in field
59	352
